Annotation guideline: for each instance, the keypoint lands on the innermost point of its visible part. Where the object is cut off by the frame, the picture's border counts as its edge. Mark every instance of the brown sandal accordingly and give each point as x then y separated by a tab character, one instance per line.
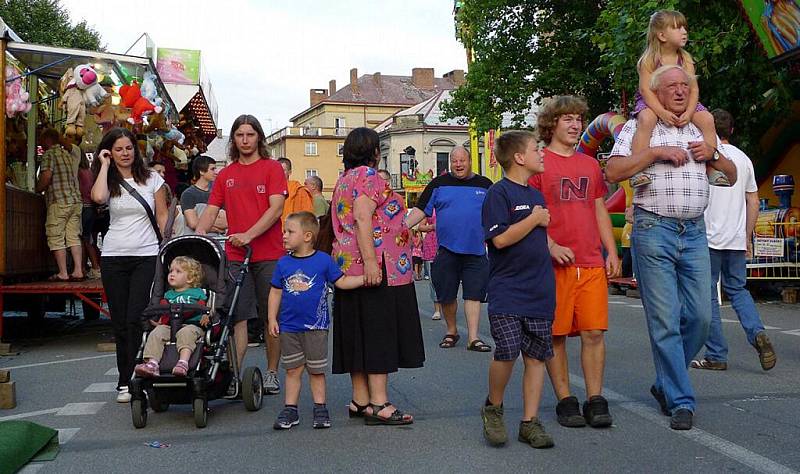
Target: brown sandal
449	340
479	346
396	418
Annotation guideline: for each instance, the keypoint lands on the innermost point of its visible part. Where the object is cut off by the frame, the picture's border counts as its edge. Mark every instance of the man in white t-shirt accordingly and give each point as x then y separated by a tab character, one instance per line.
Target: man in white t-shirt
730	219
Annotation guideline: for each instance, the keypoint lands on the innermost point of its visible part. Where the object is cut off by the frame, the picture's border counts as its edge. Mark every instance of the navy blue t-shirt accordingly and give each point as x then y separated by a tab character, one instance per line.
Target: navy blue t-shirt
521	279
304	281
458	208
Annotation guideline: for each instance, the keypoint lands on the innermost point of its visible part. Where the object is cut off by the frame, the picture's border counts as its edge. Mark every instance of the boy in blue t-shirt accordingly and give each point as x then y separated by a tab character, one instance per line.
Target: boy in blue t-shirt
298	315
521	286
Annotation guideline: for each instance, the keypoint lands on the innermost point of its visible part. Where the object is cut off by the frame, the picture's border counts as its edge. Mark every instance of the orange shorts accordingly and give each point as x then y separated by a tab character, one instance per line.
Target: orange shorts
581	300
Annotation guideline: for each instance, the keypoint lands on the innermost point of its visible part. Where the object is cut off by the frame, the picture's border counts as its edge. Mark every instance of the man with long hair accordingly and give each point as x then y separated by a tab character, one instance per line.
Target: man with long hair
252	189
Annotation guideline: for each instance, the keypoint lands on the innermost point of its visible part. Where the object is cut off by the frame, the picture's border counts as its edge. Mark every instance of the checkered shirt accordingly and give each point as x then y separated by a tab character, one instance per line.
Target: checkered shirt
679	192
64	188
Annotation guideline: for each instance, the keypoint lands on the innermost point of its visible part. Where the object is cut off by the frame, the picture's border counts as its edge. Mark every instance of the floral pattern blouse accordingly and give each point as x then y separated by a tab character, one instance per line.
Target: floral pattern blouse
390	235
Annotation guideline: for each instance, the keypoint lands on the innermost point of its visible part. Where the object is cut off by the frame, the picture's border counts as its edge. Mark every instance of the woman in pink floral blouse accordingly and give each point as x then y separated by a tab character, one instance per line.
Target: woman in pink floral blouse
376	329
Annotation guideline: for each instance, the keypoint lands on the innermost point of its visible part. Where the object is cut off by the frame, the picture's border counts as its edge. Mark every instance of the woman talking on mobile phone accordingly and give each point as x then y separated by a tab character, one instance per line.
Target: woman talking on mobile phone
138	210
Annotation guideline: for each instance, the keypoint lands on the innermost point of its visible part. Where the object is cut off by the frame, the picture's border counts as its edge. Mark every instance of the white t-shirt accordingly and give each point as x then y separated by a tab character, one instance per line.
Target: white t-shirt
130	232
726	215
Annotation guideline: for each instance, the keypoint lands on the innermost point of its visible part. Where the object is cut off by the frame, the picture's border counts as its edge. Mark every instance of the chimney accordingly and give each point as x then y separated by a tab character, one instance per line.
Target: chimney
354	80
317	95
332	87
456	77
377	78
422	77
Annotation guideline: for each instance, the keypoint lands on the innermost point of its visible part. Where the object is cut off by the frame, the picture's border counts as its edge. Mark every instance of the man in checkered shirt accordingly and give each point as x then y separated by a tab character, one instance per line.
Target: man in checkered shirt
670	252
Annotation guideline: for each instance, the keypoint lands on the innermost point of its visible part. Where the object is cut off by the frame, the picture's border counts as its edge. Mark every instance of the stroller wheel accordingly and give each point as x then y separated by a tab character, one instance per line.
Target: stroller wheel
157	405
139	413
200	409
252	393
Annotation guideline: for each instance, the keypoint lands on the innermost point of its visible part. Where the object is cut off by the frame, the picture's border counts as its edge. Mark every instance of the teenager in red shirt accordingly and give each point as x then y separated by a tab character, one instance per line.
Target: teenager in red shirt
574	190
252	189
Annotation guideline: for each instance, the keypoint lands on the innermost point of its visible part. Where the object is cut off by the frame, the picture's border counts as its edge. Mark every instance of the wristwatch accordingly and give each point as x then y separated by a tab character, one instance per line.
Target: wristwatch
715	157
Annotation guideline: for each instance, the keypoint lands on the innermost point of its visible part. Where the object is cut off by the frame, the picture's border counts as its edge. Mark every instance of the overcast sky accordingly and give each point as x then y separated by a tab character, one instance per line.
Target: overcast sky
263	56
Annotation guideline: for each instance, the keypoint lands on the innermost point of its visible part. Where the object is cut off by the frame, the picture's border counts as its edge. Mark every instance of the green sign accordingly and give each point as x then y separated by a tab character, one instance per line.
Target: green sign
179	66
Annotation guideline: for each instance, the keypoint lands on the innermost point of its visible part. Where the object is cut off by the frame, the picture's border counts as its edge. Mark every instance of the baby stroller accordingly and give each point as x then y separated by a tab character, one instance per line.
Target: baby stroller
213	365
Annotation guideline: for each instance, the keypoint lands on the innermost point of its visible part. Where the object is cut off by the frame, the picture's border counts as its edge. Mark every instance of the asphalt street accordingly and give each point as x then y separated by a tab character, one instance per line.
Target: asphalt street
747	420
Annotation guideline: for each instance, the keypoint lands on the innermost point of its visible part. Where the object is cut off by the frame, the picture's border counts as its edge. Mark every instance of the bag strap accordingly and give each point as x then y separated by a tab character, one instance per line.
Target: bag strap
146	206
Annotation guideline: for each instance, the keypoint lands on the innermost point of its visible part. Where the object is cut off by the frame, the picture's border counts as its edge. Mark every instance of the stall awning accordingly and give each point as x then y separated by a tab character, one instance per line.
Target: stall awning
50	63
191	100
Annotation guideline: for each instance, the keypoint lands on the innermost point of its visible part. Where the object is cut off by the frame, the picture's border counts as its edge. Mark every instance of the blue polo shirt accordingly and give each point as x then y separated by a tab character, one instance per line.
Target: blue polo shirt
458	204
521	279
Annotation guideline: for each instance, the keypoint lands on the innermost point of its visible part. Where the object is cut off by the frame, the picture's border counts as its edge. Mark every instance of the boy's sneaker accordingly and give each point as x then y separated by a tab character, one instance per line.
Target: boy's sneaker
123	395
436	316
494	429
322	419
766	354
271	384
532	432
568	412
595	411
287	418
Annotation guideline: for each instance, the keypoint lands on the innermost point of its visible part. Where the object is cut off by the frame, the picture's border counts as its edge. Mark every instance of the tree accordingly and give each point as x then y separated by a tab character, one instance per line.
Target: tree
522	48
590	48
47	22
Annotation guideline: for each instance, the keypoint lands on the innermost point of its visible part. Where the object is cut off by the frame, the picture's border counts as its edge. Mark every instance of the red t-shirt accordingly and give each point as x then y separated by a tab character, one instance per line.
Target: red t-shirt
570	185
244	191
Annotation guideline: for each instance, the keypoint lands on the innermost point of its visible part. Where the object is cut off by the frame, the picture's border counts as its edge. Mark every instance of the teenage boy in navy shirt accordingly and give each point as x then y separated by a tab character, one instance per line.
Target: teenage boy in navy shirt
521	290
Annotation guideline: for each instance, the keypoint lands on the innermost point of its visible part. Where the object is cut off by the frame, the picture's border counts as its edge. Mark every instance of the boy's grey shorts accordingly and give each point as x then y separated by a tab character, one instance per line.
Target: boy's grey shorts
308	348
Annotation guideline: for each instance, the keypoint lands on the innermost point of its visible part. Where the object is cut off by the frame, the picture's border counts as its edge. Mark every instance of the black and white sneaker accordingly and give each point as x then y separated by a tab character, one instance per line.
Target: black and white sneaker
322	419
287	418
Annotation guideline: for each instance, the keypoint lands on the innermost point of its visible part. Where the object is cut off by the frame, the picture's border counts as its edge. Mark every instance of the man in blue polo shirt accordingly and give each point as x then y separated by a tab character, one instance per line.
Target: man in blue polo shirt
457	197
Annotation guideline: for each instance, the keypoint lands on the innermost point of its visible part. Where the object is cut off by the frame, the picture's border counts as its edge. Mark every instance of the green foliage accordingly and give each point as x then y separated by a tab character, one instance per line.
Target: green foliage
47	22
590	48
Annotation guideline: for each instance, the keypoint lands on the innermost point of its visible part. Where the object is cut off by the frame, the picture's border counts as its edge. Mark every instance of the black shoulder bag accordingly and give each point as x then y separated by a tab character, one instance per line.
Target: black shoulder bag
146	206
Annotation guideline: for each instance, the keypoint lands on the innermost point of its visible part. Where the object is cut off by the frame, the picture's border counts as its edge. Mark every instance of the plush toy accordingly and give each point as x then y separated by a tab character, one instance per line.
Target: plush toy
72	101
175	135
87	80
149	90
132	97
16	96
156	123
104	113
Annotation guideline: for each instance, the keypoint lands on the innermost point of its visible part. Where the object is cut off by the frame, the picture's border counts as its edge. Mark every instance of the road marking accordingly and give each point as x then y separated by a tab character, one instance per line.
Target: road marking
66	434
84	408
616	302
793	332
724	320
732	450
29	414
31	468
102	387
113	371
39	364
635	306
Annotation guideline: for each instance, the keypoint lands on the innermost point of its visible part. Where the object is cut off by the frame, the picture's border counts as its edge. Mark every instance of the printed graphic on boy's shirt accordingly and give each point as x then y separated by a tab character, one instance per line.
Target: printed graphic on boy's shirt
571	191
298	282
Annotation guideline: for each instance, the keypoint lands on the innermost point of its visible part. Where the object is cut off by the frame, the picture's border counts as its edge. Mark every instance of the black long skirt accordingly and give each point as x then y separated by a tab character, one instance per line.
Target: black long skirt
376	330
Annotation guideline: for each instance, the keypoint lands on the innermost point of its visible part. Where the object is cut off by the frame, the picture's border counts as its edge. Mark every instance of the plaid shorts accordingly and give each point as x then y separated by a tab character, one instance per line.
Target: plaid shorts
513	334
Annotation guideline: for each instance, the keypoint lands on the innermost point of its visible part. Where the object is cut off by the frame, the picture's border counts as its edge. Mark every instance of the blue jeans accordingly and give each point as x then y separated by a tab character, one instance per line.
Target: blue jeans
671	264
426	265
732	266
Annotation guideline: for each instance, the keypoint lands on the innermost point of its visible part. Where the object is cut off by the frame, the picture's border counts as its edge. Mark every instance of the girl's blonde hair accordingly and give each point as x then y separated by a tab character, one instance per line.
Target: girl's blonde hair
193	269
659	22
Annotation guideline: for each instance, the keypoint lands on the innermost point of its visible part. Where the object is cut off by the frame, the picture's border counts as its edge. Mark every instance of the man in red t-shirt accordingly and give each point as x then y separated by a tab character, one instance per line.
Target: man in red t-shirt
252	189
574	190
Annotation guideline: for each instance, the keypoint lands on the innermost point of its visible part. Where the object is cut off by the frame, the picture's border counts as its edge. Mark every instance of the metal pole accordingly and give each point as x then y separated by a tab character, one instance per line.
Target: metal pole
33	119
3	41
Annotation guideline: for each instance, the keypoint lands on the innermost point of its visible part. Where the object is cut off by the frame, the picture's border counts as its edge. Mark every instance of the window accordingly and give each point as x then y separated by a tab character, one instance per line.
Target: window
408	162
442	163
339	149
341	127
311	148
310	173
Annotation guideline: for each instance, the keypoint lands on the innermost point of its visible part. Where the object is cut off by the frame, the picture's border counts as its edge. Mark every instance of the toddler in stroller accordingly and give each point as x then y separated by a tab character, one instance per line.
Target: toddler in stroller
184	278
187	357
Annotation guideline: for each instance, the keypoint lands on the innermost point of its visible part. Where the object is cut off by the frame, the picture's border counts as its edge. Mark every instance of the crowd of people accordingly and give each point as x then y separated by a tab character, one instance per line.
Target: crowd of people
537	246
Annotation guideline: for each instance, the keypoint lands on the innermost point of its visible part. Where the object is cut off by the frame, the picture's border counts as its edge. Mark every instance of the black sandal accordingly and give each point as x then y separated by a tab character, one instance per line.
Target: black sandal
396	418
358	412
449	340
479	346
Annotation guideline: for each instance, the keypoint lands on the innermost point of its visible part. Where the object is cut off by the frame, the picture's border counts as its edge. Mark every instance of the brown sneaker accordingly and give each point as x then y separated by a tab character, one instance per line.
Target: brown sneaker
494	429
709	364
532	432
766	354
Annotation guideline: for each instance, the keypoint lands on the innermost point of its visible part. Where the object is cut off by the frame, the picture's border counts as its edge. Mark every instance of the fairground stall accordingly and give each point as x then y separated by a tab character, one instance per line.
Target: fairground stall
80	93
